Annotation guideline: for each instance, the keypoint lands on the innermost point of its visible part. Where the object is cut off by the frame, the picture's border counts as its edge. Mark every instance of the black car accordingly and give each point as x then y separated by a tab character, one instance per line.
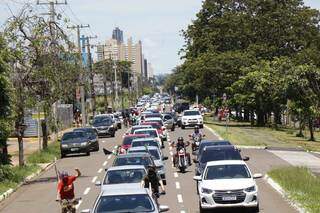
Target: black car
180	107
205	143
104	125
74	142
92	135
216	153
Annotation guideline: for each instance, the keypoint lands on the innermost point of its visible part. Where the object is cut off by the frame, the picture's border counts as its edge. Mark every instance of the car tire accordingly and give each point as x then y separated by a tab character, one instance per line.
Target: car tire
164	182
63	155
255	209
113	134
201	126
183	127
201	210
88	153
97	148
172	129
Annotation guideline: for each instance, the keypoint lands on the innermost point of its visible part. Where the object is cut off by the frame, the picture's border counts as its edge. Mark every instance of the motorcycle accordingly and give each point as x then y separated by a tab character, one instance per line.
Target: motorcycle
182	163
69	206
196	141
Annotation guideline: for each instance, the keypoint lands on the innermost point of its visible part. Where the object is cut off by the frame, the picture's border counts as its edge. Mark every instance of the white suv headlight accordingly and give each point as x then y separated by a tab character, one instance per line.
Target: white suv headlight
206	191
84	144
250	189
64	146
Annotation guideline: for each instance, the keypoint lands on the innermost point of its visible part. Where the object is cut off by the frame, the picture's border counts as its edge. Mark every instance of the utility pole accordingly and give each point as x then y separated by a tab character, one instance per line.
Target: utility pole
52	24
82	91
91	74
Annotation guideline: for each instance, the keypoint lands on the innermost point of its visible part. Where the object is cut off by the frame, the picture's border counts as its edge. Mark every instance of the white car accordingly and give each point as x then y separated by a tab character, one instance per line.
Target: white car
227	183
191	118
152	133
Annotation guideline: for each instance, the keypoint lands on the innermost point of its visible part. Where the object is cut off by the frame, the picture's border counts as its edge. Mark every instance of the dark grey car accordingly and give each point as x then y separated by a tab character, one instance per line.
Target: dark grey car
92	135
74	143
104	125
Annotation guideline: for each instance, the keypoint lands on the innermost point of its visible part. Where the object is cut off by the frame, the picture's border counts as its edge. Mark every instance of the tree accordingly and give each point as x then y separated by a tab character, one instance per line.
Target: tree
44	70
5	122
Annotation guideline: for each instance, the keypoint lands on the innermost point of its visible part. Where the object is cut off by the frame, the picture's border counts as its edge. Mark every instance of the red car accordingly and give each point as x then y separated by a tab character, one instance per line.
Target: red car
127	140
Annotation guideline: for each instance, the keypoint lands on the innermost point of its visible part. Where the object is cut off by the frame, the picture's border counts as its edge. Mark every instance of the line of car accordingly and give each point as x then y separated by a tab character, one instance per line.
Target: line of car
141	147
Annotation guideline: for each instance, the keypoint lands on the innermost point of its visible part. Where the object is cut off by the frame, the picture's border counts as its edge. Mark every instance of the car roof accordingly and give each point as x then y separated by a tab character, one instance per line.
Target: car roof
115	168
191	110
142	126
123	189
103	115
143	148
214	141
149	129
220	147
134	135
143	139
153	118
226	162
130	155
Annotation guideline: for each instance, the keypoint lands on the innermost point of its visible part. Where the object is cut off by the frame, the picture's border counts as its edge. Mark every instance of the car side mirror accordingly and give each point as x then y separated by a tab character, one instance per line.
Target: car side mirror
98	183
165	158
257	176
86	211
197	178
246	158
163	208
195	161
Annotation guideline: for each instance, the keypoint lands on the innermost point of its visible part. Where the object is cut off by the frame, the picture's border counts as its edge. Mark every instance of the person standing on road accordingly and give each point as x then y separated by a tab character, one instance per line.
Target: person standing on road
65	185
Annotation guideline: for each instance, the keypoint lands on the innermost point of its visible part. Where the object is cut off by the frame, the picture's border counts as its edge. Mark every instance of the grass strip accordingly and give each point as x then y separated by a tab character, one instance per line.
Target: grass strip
45	156
10	177
301	186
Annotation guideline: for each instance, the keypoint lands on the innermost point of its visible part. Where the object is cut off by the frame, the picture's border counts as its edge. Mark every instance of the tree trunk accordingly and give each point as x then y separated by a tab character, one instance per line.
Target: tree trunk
251	117
5	157
246	116
21	154
311	130
45	134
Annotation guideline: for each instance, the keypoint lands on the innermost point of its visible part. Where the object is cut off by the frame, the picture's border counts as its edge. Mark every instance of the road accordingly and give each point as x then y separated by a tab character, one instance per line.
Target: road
38	196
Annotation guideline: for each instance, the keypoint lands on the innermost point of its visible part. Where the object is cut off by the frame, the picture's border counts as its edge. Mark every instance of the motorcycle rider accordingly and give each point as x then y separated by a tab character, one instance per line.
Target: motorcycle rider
195	134
181	145
152	181
65	185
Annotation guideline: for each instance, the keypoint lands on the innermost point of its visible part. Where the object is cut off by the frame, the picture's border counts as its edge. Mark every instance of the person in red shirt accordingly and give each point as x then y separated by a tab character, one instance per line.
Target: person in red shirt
65	185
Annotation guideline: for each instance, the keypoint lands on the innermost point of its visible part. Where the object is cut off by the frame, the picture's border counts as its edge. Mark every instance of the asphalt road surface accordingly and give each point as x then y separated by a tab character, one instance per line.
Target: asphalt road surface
39	195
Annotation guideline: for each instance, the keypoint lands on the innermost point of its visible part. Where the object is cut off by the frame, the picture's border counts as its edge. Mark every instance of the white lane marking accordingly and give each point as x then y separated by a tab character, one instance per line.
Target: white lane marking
103	141
182	211
95	178
109	157
180	200
86	191
105	163
100	170
77	206
170	148
175	174
171	153
177	185
172	159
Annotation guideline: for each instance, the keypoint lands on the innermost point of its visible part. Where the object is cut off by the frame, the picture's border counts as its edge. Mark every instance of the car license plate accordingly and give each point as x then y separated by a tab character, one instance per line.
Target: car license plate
74	149
229	198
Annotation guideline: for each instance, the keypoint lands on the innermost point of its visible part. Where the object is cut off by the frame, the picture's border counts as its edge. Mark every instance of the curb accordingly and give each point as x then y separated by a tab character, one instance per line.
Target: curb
282	192
213	132
6	194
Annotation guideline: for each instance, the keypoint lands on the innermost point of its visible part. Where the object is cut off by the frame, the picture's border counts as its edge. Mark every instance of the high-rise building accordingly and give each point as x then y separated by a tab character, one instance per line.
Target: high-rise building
150	71
117	35
145	68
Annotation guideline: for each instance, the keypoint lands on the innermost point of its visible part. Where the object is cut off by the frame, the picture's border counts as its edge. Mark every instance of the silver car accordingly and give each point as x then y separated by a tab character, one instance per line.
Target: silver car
130	175
158	158
125	199
168	121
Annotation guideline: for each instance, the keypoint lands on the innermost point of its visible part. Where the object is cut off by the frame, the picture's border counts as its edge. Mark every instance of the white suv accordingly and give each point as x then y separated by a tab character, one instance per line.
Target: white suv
227	183
191	118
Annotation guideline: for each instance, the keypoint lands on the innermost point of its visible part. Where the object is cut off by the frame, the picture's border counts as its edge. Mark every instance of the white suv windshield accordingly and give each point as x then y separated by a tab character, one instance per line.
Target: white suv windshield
227	172
187	113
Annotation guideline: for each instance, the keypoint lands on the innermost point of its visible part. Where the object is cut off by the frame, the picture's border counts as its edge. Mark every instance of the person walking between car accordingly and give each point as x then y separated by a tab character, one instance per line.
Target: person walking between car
152	182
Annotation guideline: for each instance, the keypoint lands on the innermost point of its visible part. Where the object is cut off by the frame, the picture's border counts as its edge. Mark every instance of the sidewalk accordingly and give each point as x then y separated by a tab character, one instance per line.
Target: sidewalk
30	146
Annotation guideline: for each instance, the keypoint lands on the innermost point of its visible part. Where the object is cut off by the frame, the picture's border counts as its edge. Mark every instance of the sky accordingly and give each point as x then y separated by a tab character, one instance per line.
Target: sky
157	23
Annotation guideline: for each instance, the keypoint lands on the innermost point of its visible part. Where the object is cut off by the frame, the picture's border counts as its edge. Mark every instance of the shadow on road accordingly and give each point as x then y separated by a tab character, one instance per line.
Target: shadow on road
231	210
45	180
